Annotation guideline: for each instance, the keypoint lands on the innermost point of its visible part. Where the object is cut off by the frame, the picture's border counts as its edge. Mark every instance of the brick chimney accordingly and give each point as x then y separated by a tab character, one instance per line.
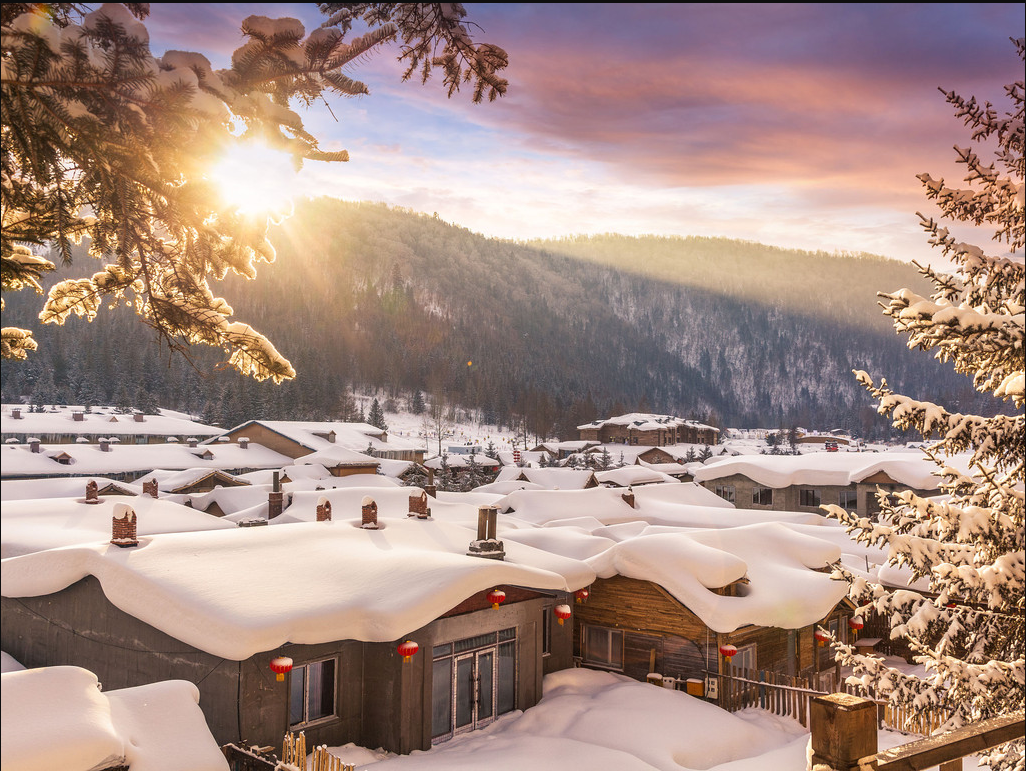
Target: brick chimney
419	506
80	416
369	512
104	444
323	510
150	488
487	545
139	417
244	442
274	498
628	498
193	441
123	531
16	414
92	496
430	488
33	444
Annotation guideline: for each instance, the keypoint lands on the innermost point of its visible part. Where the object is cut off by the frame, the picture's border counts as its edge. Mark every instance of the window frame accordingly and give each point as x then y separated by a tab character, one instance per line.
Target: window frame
810	492
586	651
759	492
304	670
726	492
848	500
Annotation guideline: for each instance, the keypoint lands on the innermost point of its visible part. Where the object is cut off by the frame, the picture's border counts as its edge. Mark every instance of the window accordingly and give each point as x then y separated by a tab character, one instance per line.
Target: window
472	681
603	647
726	492
809	497
762	496
848	500
546	630
312	692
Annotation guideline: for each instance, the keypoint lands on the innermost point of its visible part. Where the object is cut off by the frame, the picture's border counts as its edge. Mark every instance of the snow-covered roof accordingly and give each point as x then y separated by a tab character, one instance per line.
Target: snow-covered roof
60	487
632	475
551	478
58	718
644	421
839	469
461	461
36	525
336	455
171	481
315	435
102	421
305	583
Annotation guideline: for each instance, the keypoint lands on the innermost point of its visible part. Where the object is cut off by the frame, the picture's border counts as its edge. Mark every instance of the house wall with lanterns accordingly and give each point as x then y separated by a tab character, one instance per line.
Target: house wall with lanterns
377	699
636	627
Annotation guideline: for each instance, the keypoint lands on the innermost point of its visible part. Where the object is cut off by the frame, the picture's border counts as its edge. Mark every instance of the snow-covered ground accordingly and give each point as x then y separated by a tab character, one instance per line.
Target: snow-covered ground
604	721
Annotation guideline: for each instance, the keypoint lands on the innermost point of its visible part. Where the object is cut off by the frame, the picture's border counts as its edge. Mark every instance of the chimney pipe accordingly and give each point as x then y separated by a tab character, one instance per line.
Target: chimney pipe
419	506
92	495
487	545
274	498
33	444
323	510
628	497
193	441
104	444
16	414
138	416
80	416
430	488
244	442
123	526
369	514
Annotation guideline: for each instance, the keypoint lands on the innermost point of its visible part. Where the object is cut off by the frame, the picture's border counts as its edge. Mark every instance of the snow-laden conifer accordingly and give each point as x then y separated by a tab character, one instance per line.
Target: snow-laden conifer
967	627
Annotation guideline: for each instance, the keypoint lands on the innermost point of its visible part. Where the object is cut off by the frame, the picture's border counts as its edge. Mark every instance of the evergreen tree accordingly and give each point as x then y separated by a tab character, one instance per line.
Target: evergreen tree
968	629
417	403
105	141
376	417
605	460
491	450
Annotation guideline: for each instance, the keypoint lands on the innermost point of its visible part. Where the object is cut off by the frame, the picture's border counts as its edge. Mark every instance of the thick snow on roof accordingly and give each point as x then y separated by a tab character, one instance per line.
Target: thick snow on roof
60	420
633	475
338	456
306	583
58	487
85	459
169	480
551	478
461	461
354	436
644	421
31	526
826	468
57	718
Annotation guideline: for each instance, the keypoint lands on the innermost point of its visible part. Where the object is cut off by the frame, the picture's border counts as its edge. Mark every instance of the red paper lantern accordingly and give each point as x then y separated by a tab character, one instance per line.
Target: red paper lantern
562	613
407	649
496	597
821	637
581	595
856	623
280	666
728	651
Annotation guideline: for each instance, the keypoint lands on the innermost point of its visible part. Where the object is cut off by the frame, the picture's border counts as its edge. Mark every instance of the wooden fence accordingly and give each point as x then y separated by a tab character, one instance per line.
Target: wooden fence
293	752
790	697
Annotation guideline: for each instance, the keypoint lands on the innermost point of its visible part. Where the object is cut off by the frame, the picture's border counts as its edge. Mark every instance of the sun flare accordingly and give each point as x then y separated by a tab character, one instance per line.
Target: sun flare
254	178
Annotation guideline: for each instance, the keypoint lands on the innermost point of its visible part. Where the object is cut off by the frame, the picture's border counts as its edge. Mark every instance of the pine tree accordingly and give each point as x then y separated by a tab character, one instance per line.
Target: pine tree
417	403
376	417
106	141
968	628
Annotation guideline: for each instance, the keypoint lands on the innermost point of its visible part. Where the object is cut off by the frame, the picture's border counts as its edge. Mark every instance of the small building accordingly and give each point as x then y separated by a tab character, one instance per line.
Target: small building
73	425
296	438
648	430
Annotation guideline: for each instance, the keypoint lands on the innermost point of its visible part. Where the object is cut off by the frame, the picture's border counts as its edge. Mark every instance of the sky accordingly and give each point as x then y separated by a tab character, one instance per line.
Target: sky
797	125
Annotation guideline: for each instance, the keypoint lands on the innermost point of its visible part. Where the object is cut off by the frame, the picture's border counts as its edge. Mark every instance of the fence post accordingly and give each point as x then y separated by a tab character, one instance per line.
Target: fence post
843	731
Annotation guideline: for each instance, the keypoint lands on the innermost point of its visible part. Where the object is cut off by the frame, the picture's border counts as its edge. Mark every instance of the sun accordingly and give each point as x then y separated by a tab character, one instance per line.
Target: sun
253	178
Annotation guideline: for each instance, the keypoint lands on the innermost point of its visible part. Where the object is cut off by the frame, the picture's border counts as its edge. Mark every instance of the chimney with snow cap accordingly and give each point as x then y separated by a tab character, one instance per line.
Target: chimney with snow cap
487	545
193	441
150	488
92	494
139	418
123	531
33	444
369	514
78	415
16	414
104	444
628	498
323	509
430	488
274	498
419	506
244	442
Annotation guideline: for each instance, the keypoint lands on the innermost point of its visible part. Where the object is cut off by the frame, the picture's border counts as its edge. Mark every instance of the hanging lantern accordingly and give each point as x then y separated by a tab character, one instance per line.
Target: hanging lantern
496	597
728	651
855	624
407	649
280	666
562	613
821	637
581	595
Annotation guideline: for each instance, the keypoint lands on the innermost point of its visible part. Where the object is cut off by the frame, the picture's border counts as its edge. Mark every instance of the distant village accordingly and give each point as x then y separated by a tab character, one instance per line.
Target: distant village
332	579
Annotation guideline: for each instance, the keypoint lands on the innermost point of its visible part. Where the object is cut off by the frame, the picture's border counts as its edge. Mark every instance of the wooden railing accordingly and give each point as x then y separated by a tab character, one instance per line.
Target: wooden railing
844	738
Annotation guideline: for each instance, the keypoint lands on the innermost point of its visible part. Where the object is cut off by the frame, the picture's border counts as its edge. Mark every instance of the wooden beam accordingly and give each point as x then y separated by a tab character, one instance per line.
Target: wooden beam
946	747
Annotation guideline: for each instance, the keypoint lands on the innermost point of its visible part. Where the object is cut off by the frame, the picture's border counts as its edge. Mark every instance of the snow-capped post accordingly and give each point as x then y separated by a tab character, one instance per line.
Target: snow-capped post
628	497
274	498
419	506
33	444
151	489
843	731
104	444
323	510
123	531
92	495
562	612
244	442
487	545
369	514
192	441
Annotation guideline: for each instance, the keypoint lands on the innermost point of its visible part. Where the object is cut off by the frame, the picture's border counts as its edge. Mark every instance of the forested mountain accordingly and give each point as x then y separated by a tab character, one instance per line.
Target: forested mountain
557	333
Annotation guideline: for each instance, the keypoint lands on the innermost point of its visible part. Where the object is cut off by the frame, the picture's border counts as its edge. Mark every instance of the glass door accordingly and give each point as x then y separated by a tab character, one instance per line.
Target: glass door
475	690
